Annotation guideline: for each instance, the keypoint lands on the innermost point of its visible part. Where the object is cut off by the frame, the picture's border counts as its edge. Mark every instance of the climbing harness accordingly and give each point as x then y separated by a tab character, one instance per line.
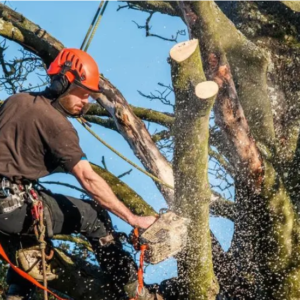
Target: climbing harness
13	196
37	212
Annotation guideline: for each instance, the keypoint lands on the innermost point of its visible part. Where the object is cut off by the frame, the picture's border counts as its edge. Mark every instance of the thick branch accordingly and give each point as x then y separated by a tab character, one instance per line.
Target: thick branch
229	114
165	119
221	207
19	29
130	198
136	134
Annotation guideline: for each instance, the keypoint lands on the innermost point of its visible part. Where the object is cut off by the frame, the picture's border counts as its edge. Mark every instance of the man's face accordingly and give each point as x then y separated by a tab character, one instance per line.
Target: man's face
75	100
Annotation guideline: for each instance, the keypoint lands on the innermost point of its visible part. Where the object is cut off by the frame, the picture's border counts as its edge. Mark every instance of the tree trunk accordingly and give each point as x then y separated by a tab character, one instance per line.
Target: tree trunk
194	100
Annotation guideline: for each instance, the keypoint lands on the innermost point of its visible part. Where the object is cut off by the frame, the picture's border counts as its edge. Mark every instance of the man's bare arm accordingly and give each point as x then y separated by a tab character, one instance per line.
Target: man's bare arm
101	192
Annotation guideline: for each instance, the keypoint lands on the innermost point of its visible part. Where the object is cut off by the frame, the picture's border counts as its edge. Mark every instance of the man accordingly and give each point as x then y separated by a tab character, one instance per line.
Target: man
36	138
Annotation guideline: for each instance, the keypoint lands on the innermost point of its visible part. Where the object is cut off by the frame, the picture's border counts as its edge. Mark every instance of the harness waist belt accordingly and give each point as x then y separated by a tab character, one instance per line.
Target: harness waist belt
12	195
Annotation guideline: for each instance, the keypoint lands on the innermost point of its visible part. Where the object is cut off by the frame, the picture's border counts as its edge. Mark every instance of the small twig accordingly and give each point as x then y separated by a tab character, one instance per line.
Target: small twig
65	184
147	27
124	174
103	163
161	95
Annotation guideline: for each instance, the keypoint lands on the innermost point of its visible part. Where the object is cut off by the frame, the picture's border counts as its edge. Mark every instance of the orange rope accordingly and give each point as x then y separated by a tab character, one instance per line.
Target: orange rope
140	273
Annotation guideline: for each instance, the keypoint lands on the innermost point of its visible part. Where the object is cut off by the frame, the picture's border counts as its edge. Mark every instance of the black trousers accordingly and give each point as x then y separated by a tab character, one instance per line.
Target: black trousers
71	215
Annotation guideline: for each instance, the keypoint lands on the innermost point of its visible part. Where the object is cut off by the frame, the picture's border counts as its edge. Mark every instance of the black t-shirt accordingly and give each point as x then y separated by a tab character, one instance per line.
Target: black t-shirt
35	138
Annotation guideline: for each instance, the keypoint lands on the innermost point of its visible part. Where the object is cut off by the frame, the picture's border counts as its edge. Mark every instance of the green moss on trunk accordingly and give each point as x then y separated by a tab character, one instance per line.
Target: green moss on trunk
192	192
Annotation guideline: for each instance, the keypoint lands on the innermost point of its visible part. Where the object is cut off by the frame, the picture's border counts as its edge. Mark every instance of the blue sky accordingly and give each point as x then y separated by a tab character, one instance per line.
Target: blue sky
131	62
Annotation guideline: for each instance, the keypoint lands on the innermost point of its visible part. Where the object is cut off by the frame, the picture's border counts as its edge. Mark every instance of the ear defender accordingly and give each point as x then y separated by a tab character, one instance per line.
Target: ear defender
59	84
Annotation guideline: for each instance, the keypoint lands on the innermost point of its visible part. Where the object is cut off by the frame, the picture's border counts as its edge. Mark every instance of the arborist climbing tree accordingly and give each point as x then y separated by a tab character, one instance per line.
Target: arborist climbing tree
52	142
250	50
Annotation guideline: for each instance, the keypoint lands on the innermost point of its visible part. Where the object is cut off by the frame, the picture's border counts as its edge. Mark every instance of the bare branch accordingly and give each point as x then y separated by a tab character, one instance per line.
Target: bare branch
107	123
104	163
164	7
164	134
162	118
161	95
220	158
147	27
124	174
221	207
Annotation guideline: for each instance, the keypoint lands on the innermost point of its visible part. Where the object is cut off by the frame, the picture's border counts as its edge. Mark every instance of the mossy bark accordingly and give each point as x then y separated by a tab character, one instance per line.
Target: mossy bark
165	119
17	28
192	192
248	65
129	197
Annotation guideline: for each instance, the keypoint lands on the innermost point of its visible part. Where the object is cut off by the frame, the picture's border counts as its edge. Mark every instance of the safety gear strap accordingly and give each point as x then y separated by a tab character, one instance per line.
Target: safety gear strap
25	275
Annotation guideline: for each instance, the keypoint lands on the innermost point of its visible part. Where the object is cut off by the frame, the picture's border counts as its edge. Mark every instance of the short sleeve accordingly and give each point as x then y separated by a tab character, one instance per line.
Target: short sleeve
66	150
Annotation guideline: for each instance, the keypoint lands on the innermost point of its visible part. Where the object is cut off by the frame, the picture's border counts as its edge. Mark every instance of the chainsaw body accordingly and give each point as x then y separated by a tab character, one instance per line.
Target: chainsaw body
165	238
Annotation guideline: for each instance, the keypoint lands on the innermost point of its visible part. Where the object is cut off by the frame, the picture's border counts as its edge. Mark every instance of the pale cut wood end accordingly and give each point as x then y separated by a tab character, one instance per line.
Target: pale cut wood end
183	50
206	89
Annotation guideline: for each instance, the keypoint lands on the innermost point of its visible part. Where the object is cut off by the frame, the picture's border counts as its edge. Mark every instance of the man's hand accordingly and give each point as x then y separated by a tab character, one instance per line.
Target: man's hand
144	222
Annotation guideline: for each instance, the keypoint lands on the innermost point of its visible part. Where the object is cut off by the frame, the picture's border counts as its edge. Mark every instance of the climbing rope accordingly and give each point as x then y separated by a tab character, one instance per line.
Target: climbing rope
94	25
84	124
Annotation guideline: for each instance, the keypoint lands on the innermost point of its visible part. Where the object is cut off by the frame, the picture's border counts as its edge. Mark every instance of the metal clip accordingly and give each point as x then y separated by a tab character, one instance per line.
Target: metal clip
4	187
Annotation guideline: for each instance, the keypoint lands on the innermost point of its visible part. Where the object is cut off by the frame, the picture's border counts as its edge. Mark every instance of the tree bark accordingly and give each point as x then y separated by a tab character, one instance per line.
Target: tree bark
192	192
138	137
124	193
200	18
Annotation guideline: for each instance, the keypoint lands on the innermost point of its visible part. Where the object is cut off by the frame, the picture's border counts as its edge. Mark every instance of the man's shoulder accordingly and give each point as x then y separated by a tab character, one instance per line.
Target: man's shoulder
41	111
21	97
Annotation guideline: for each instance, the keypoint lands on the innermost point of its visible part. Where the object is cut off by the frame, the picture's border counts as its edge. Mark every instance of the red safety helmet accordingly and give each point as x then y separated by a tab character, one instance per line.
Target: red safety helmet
78	67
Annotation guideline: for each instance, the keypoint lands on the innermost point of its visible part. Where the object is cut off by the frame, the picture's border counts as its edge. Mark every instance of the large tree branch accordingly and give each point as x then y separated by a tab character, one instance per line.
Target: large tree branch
221	207
17	28
129	197
136	134
245	157
165	119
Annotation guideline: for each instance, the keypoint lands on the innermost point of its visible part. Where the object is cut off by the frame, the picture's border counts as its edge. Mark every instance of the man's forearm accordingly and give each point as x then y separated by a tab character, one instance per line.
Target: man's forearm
102	193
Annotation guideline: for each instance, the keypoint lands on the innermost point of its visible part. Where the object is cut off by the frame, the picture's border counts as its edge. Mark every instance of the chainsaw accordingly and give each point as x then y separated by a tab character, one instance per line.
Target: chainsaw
166	237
